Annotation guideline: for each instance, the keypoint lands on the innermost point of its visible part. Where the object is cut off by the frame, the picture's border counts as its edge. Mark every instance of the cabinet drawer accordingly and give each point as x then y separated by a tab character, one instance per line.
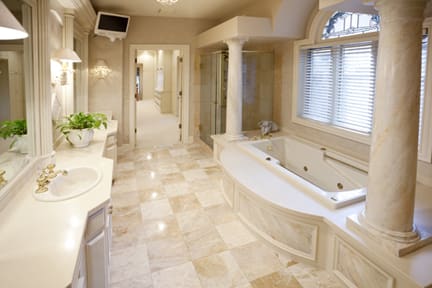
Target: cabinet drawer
95	223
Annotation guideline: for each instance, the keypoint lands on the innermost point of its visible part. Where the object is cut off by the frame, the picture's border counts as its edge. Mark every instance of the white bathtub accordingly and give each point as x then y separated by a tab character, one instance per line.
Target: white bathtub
333	179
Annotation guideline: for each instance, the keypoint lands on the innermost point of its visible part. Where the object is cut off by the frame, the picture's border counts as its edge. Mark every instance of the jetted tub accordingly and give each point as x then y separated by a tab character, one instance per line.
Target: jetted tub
333	179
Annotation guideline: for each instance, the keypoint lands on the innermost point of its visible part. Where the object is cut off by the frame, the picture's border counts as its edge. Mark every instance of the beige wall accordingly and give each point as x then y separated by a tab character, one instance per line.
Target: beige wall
106	94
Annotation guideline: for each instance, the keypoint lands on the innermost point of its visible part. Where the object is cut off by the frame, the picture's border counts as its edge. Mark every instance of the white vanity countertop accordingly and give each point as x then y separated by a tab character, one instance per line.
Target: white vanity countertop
40	241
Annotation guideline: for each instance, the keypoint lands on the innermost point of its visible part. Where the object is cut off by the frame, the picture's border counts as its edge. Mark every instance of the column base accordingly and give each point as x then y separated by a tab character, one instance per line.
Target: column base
236	137
399	245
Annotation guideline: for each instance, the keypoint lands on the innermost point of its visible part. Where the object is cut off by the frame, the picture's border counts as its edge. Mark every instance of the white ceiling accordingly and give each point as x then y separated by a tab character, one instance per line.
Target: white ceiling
199	9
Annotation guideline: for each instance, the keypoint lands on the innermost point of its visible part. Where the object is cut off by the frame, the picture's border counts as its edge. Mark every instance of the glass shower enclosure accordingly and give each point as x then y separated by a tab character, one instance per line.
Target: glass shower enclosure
257	74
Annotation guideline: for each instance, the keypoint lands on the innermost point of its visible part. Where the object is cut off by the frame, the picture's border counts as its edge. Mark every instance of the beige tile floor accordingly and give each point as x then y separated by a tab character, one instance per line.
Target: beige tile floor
173	228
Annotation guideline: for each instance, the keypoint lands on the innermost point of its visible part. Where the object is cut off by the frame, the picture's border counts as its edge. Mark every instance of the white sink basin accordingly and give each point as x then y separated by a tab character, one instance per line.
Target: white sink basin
78	181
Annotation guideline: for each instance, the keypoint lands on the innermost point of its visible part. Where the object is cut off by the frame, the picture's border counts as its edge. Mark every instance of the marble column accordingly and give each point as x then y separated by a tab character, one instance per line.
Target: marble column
235	90
393	157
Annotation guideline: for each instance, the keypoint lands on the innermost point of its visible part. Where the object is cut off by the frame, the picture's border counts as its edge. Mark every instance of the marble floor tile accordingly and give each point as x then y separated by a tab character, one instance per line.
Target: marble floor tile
207	162
310	277
143	280
204	242
168	168
177	189
125	199
130	256
189	165
184	203
161	228
194	174
169	210
165	253
181	276
157	209
220	214
193	220
214	172
210	198
178	152
172	178
256	260
276	280
220	271
151	194
126	216
235	234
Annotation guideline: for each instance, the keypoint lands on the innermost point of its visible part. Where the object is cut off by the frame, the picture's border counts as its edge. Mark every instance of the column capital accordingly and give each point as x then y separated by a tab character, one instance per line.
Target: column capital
237	40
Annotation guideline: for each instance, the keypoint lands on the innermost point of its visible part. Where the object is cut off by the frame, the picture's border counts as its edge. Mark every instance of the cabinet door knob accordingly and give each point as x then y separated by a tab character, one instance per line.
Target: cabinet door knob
110	210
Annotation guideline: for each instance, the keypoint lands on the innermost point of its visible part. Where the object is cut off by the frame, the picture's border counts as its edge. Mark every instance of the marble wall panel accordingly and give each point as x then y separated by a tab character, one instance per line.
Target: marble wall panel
228	188
355	270
286	231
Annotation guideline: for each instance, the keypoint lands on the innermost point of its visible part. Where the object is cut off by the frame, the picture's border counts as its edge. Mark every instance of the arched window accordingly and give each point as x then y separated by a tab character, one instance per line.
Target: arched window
342	24
336	79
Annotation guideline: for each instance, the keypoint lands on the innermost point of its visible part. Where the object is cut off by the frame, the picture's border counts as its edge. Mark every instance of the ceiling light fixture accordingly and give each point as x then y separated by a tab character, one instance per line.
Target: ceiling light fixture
167	2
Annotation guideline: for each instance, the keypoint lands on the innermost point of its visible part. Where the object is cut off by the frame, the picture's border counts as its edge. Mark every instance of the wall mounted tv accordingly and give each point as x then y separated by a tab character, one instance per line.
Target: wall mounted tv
113	26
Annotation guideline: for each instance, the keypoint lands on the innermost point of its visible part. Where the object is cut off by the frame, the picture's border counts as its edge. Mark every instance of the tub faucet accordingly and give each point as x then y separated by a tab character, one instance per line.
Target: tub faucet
46	176
267	127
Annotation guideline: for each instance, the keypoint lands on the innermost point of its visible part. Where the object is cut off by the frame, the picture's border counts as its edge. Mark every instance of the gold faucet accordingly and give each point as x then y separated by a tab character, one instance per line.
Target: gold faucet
46	176
3	180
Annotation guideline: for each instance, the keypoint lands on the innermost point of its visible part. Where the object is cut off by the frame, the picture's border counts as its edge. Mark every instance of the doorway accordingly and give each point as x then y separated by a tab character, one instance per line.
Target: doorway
159	89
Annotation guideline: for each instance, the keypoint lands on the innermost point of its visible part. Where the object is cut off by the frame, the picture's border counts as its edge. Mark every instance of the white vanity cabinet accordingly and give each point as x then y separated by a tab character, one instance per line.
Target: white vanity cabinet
92	270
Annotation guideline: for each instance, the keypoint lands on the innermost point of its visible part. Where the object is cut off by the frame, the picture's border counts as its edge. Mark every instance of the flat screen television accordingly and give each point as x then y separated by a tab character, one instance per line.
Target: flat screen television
113	26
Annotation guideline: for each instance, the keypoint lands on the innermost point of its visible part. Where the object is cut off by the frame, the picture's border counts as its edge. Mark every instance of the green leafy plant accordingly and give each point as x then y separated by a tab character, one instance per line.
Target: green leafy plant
13	128
80	121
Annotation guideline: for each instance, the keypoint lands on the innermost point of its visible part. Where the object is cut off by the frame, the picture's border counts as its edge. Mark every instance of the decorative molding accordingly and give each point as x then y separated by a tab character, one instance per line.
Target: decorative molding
84	12
355	270
287	232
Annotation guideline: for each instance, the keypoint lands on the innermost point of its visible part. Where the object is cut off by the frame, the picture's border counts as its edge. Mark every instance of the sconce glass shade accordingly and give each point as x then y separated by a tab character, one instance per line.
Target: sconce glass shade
10	28
101	69
66	55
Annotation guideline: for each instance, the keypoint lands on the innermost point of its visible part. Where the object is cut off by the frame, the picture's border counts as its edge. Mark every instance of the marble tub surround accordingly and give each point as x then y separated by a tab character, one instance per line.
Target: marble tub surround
282	215
393	156
183	232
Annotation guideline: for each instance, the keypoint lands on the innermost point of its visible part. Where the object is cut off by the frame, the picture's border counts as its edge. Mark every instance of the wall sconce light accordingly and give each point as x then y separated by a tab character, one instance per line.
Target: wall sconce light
101	69
10	28
66	56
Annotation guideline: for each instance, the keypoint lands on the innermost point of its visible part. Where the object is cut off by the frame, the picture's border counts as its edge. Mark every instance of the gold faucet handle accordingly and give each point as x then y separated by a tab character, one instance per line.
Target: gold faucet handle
51	167
2	172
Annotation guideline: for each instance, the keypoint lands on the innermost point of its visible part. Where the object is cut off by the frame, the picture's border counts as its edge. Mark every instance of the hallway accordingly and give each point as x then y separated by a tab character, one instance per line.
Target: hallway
173	228
154	128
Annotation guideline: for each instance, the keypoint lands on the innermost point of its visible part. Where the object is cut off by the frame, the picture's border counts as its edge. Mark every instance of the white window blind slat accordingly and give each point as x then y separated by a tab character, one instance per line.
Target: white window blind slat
339	85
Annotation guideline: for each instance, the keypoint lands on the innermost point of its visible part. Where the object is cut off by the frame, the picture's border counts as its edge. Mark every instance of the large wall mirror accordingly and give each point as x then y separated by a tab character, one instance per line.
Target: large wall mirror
16	94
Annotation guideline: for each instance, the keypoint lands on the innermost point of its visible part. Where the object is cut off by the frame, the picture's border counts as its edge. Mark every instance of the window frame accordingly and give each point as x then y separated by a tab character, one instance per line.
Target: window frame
314	41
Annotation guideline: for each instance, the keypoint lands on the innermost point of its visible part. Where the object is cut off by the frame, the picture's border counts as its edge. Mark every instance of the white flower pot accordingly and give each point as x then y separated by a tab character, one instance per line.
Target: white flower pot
80	138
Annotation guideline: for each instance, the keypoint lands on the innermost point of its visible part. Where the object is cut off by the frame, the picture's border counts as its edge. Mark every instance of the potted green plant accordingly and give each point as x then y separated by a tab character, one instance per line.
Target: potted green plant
16	129
78	127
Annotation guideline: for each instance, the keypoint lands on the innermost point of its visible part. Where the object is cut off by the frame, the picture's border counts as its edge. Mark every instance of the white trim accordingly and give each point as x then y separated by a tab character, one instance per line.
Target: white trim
185	52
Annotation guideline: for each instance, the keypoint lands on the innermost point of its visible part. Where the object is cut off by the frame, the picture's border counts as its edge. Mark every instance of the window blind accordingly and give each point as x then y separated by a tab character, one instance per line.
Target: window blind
338	85
422	82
